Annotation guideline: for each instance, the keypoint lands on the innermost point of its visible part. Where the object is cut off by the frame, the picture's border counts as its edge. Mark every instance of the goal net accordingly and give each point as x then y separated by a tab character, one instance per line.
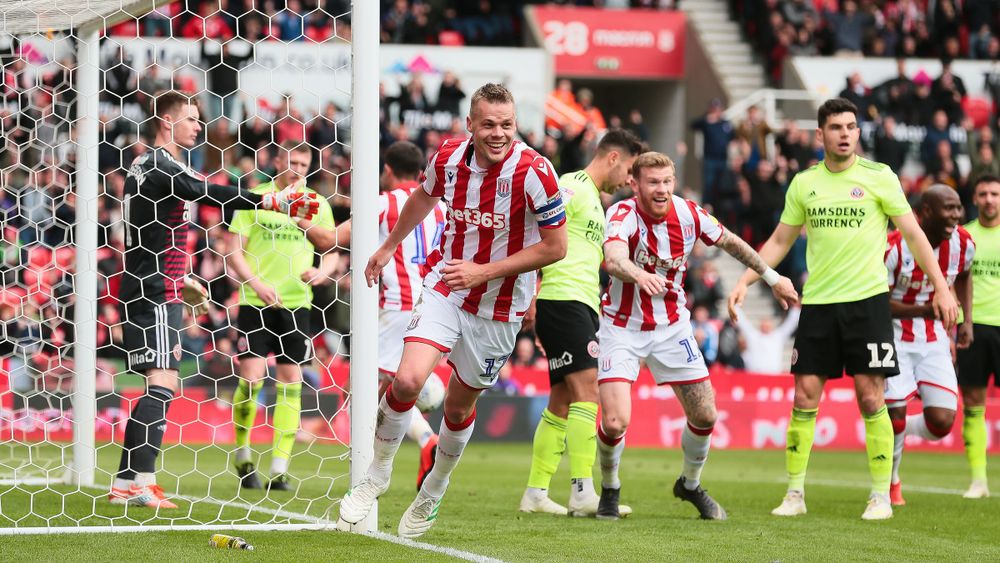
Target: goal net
76	112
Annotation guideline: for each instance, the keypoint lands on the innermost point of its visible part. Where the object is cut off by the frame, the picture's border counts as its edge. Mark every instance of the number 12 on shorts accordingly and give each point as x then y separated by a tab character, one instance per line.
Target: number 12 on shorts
887	360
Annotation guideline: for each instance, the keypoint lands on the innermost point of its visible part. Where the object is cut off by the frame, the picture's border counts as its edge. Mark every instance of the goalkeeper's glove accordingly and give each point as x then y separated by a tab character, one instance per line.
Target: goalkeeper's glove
298	205
195	295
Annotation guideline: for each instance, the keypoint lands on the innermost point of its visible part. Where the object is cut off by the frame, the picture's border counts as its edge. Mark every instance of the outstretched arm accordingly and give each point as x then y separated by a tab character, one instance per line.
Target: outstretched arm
945	307
460	274
782	287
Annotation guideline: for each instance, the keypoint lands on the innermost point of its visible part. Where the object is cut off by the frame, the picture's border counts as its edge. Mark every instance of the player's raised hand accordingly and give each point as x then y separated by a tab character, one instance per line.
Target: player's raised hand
375	264
784	292
459	275
945	308
652	284
292	202
736	297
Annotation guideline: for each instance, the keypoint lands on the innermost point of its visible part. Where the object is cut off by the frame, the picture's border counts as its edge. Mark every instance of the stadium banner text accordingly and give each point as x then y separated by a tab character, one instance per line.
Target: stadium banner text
597	43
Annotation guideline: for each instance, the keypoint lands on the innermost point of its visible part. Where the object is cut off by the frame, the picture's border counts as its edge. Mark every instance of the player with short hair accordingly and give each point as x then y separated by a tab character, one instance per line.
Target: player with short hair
982	357
566	322
506	219
156	207
273	261
644	319
923	347
845	203
400	284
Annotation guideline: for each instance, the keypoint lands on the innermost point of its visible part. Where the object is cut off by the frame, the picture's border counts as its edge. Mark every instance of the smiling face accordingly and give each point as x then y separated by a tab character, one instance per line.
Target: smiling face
941	212
492	125
654	187
840	136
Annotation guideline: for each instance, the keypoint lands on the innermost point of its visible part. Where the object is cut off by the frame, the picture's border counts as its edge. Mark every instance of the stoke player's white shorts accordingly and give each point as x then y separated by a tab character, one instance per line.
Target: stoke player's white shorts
671	353
476	347
391	329
925	370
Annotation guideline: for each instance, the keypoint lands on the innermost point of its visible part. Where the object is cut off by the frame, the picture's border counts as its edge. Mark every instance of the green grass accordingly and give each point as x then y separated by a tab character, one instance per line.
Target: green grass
480	513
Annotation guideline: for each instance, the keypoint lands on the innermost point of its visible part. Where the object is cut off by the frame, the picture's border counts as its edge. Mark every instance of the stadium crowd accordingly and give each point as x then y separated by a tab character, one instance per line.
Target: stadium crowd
744	173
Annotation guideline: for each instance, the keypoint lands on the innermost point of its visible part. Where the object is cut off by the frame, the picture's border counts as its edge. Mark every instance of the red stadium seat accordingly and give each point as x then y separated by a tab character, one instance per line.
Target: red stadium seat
451	39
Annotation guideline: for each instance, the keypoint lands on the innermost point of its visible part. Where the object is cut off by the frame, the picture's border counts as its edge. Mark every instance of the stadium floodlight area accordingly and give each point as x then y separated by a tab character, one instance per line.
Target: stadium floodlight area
78	82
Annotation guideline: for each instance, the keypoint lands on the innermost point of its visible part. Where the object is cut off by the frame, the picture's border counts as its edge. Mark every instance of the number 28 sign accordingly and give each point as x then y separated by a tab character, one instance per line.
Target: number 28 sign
588	42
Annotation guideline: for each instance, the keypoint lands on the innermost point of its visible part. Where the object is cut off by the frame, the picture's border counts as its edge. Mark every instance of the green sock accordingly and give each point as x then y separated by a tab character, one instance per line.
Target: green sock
801	429
547	449
287	407
581	439
974	435
245	411
878	443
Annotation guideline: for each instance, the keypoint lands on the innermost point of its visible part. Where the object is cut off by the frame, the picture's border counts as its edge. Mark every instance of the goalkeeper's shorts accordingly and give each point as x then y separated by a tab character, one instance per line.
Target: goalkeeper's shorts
152	334
286	333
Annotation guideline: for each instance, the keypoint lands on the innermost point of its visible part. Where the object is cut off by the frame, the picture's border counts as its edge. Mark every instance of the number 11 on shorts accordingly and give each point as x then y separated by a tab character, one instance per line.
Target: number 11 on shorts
887	361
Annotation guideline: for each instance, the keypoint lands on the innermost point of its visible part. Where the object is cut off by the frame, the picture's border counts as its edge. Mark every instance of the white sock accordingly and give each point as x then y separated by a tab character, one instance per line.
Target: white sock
611	457
243	454
695	442
916	425
582	489
121	484
279	465
451	444
389	434
145	479
537	494
420	430
897	454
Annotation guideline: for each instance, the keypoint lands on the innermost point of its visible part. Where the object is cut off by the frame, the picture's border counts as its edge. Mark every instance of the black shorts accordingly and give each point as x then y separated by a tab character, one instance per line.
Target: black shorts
568	332
273	330
981	359
151	334
854	337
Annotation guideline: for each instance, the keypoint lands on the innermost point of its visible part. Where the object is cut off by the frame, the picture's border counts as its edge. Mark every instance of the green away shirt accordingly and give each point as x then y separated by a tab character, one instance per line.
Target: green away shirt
846	216
278	251
985	274
577	276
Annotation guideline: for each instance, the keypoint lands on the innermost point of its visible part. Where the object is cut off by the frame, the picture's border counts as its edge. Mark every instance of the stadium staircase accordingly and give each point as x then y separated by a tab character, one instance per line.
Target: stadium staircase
731	56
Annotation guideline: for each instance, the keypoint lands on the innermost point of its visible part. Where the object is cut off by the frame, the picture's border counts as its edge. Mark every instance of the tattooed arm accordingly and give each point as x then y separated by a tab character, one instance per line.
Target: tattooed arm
781	286
740	250
620	265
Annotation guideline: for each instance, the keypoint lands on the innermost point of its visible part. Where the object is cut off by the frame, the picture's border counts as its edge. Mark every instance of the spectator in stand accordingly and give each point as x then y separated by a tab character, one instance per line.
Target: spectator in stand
796	11
938	131
979	42
419	29
732	197
767	196
637	126
857	93
224	62
717	132
921	104
703	286
209	23
706	334
947	91
848	28
291	26
984	161
764	345
946	21
796	146
413	96
593	115
754	130
888	149
450	95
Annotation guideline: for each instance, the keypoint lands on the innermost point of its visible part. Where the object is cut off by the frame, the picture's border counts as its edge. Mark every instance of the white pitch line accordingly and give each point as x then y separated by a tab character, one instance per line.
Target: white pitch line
457	553
315	523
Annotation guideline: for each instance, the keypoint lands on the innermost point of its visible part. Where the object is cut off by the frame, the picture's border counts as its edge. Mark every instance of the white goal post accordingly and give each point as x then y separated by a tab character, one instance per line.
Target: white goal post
74	468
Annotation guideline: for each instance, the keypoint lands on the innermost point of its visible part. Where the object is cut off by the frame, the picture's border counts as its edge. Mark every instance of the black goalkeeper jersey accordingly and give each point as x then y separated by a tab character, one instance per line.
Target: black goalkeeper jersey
158	192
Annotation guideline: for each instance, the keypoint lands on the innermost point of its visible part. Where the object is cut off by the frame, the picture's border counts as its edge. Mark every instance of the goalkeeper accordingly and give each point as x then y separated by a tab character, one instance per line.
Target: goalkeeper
273	258
159	189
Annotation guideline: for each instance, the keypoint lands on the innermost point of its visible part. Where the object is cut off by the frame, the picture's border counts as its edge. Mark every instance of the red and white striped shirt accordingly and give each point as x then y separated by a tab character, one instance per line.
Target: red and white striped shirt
403	278
656	245
909	284
492	214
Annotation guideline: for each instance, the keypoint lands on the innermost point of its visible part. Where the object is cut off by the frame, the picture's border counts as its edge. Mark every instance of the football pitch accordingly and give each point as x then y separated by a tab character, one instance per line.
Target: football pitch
479	515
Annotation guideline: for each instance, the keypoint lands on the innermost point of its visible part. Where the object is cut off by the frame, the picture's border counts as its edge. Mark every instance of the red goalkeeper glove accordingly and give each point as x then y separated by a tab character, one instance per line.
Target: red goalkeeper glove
299	205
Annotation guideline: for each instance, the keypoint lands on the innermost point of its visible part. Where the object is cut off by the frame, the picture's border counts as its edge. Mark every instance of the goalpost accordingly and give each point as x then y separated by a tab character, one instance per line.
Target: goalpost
63	407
